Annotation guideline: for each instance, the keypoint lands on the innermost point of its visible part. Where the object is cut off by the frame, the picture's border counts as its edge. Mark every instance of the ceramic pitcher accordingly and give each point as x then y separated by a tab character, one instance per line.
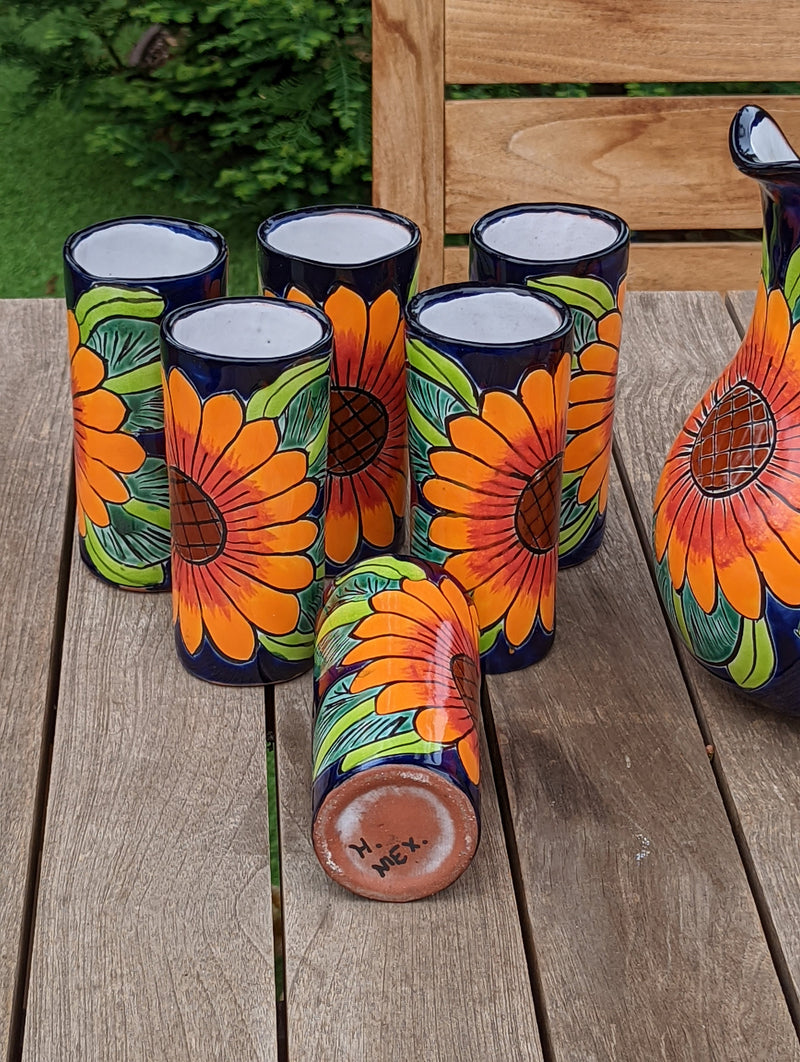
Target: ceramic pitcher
727	508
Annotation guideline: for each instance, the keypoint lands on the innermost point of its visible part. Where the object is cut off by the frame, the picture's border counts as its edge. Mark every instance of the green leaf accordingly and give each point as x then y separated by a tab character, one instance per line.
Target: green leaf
585	330
791	285
126	344
332	724
442	370
145	412
489	637
133	541
593	296
403	744
421	545
114	570
571	534
151	514
350	612
754	663
145	378
272	401
429	433
296	646
150	483
388	568
104	301
305	416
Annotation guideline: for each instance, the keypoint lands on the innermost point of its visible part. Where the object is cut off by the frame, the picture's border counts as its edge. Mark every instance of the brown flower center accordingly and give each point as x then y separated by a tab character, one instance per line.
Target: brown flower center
198	530
467	678
735	442
537	509
359	426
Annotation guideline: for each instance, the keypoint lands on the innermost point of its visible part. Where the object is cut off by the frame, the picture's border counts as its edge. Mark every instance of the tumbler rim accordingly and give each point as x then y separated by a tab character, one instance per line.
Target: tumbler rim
449	291
214	236
324	343
275	220
483	222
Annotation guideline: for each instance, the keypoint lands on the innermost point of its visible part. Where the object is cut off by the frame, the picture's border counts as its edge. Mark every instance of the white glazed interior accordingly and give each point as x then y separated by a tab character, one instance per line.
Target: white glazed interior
490	317
549	235
261	330
769	144
339	237
139	250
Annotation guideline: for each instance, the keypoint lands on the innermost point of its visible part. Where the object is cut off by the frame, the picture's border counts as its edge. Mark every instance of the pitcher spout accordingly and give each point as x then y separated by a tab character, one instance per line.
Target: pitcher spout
759	148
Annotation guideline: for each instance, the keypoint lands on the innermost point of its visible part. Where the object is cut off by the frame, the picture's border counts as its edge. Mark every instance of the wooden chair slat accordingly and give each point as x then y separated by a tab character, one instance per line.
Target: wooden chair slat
582	40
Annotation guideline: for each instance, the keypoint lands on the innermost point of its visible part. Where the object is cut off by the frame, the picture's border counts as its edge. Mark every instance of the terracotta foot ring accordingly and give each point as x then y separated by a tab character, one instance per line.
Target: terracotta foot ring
395	832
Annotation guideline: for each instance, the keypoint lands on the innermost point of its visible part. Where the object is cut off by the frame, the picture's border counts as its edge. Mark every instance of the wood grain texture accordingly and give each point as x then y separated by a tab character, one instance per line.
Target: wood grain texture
673	347
408	119
35	456
620	40
661	163
442	979
647	937
153	935
707	266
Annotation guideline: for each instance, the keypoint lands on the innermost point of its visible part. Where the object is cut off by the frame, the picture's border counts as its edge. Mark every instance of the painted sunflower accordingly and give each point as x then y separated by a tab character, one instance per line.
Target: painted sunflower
238	537
500	486
366	444
420	644
726	505
591	411
103	454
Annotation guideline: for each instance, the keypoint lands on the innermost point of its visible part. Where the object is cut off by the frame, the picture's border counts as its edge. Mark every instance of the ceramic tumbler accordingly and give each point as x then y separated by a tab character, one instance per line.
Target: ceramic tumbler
488	376
359	265
121	277
579	254
396	803
246	408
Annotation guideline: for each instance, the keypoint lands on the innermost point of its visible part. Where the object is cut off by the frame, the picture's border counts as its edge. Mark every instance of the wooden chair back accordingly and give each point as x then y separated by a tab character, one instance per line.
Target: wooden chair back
662	163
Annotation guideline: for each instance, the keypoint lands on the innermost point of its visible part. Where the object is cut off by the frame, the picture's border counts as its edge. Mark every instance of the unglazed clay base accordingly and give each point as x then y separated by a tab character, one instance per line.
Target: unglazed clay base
395	832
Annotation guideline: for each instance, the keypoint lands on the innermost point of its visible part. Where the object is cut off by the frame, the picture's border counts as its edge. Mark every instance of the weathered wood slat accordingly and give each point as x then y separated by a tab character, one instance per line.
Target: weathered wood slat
647	938
153	934
35	456
408	125
442	979
711	266
582	40
674	347
661	163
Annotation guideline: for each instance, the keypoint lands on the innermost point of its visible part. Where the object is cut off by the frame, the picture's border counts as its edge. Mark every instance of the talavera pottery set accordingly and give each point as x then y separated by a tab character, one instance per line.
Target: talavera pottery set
241	450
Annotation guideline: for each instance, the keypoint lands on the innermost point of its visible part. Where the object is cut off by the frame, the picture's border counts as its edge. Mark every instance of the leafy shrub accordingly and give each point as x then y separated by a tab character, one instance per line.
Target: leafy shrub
242	106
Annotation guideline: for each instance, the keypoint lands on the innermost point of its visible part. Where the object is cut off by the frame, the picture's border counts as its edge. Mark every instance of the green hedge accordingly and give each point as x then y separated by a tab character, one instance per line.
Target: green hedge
244	107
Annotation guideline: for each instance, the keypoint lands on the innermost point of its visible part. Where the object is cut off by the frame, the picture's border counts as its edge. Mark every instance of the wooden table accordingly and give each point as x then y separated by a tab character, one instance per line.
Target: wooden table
636	894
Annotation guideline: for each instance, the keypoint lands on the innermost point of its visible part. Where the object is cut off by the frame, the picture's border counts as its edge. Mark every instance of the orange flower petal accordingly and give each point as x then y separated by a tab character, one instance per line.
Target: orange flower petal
184	412
90	502
609	327
87	370
348	314
297	295
377	514
474	436
737	573
699	560
456	498
468	754
115	449
252	447
599	359
405	696
222	418
105	482
460	532
99	409
188	604
443	725
342	524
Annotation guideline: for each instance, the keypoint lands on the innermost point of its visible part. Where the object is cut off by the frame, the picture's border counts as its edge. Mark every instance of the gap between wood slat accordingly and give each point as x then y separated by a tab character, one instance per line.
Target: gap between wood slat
762	906
278	944
509	836
16	1034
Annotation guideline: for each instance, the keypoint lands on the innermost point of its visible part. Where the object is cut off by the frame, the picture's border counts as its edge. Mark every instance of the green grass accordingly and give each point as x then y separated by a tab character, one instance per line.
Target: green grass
50	186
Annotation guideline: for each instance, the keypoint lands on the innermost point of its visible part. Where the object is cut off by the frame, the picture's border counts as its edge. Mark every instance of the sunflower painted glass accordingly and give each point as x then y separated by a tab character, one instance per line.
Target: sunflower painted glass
121	277
488	375
246	404
727	508
579	254
396	768
359	265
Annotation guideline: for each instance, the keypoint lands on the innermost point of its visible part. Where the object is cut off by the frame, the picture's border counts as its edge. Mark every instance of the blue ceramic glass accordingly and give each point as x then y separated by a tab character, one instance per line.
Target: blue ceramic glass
121	277
488	376
396	803
359	265
246	408
580	254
